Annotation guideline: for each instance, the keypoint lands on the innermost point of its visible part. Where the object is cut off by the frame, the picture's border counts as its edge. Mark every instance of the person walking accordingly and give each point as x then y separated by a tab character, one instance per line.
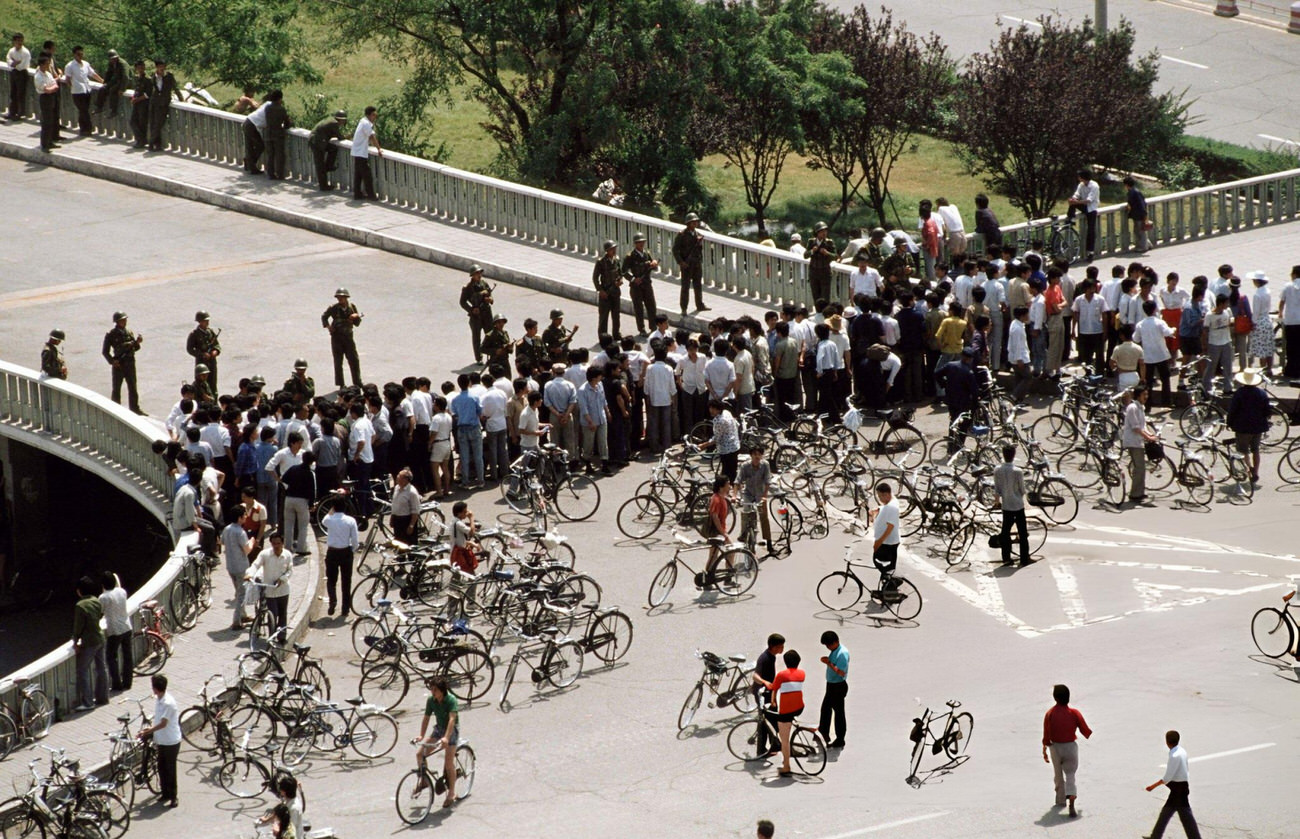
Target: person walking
1248	416
272	569
1134	437
363	140
88	643
1009	494
342	319
1175	778
162	89
166	735
324	149
341	542
119	349
1061	728
837	687
117	622
688	253
237	546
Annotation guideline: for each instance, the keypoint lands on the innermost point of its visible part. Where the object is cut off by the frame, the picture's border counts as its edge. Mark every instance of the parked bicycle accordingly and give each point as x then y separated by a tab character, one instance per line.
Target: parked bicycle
1275	630
26	721
729	680
560	662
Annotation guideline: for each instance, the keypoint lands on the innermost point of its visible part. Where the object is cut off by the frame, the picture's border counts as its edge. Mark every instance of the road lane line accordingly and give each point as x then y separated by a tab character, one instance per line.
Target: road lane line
1278	139
888	825
1068	588
1022	20
1230	752
1181	61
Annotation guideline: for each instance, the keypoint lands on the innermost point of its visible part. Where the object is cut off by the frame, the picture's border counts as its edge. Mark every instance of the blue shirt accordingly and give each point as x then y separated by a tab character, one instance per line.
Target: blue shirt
592	405
465	406
263	453
840	658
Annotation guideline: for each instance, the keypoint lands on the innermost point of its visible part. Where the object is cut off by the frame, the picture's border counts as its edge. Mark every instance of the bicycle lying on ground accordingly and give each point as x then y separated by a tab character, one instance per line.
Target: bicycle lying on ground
952	741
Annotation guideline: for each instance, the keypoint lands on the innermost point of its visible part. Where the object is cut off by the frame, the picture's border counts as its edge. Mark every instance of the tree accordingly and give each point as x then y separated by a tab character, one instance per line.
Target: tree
833	115
758	66
254	43
1043	103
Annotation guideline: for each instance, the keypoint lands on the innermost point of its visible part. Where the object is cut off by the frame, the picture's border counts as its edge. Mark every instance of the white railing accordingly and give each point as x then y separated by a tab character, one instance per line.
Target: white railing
88	429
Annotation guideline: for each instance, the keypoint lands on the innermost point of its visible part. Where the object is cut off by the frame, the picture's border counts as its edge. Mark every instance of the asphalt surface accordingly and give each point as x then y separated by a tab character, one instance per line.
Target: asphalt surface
1232	69
1145	613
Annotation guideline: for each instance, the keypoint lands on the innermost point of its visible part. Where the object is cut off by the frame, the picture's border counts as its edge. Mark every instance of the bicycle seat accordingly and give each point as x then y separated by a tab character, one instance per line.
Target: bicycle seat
717	540
355	701
549	631
124	719
149	605
953	703
302	649
383	603
739	659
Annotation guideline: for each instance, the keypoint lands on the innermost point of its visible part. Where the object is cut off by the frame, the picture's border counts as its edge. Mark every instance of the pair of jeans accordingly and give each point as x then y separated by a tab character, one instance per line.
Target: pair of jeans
1220	360
1038	351
120	662
469	442
595	444
237	614
1014	518
496	458
92	689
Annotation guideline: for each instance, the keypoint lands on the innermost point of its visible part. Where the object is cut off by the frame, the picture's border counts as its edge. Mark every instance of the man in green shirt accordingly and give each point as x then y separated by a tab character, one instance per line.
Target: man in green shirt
88	642
443	706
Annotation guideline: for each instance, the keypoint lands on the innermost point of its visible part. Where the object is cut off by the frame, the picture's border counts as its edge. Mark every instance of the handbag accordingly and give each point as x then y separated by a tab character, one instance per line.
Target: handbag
1148	224
1241	325
1155	450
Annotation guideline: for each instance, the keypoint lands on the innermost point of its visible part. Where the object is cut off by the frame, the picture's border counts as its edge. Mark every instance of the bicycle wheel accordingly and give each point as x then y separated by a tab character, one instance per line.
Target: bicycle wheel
256	724
370	590
8	734
1055	433
384	685
261	630
1201	421
1065	244
1080	466
664	490
362	628
662	584
1057	499
243	777
1288	466
577	498
184	604
149	653
313	674
257	665
198	730
904	601
1160	473
299	741
690	706
578	593
742	740
1275	436
839	591
959	544
820	457
640	517
1037	529
37	713
469	674
808	750
610	636
1272	632
904	446
373	734
957	738
735	571
1114	480
1200	486
414	797
563	664
18	820
466	764
1237	480
841	493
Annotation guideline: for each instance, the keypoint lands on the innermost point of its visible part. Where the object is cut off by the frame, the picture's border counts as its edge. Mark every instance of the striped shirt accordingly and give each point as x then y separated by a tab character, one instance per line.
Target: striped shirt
787	689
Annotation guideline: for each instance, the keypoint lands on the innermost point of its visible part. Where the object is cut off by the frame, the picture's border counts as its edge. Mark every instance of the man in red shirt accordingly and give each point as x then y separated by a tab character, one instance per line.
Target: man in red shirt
1061	727
719	511
787	703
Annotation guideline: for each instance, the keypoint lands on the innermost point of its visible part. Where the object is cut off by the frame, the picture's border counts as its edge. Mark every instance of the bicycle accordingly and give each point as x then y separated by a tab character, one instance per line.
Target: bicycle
953	742
262	631
151	644
417	788
807	746
72	816
738	693
731	569
29	720
983	521
608	634
244	775
560	662
67	786
370	731
1063	241
576	497
840	591
386	678
307	671
1271	626
897	439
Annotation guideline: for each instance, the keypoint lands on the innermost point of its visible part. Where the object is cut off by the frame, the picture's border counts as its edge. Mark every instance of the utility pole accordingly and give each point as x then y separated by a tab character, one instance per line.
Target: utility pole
1101	17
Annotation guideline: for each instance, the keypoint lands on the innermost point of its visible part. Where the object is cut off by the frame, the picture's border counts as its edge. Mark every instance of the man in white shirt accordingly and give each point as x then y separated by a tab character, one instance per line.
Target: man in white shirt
47	95
363	139
1090	326
1134	436
865	280
796	246
830	373
1151	333
720	373
1037	328
19	59
1175	778
78	75
660	386
361	455
1018	353
694	404
560	398
885	525
1087	197
255	138
117	631
995	298
166	735
341	541
419	421
1288	311
496	457
954	231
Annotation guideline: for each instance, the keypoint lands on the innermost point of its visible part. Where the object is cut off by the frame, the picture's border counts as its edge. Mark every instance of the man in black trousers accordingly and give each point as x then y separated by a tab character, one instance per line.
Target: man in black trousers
162	89
1175	778
140	88
324	153
837	687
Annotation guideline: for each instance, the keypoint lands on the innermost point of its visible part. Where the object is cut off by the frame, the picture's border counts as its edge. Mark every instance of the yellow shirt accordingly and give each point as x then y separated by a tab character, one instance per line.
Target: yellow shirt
951	335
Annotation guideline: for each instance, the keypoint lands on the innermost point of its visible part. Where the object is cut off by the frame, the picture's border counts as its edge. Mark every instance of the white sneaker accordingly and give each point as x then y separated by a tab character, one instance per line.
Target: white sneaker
81	708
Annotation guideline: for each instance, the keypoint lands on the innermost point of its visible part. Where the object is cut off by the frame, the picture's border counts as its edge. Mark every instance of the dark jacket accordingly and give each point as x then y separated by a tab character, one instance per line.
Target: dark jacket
324	131
1137	205
161	100
960	384
865	330
1248	411
986	224
277	121
911	330
688	247
115	77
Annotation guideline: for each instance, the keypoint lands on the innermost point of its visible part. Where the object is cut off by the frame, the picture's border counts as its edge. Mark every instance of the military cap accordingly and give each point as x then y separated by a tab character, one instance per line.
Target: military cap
639	237
340	114
499	319
119	316
690	217
341	292
556	313
475	269
201	315
821	225
609	243
300	364
200	369
57	334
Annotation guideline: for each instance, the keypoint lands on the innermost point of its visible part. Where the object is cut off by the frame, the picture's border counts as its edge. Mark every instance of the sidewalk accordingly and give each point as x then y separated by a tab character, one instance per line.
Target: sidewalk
210	647
400	230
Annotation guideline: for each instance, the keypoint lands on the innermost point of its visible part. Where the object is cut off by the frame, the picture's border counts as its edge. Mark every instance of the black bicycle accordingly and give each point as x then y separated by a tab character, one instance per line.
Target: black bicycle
730	680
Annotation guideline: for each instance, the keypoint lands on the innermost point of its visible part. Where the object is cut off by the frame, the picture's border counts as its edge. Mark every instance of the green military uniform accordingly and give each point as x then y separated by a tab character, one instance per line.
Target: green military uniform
476	300
204	392
639	265
203	344
325	154
52	363
531	354
496	344
341	319
607	277
898	261
556	338
119	349
302	389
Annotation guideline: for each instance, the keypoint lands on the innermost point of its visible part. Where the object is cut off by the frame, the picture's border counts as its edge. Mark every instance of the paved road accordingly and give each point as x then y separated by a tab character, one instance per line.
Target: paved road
1144	614
1233	69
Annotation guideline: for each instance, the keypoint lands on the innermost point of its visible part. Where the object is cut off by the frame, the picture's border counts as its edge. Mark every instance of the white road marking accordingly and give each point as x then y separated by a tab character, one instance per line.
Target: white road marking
1181	61
1229	753
1278	139
887	825
1022	20
1068	587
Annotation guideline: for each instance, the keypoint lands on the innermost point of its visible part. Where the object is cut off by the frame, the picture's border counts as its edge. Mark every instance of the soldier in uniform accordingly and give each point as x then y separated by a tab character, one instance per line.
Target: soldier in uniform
204	393
340	319
820	254
688	251
476	300
300	386
639	264
531	353
323	152
497	344
608	278
52	356
204	346
120	347
557	339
